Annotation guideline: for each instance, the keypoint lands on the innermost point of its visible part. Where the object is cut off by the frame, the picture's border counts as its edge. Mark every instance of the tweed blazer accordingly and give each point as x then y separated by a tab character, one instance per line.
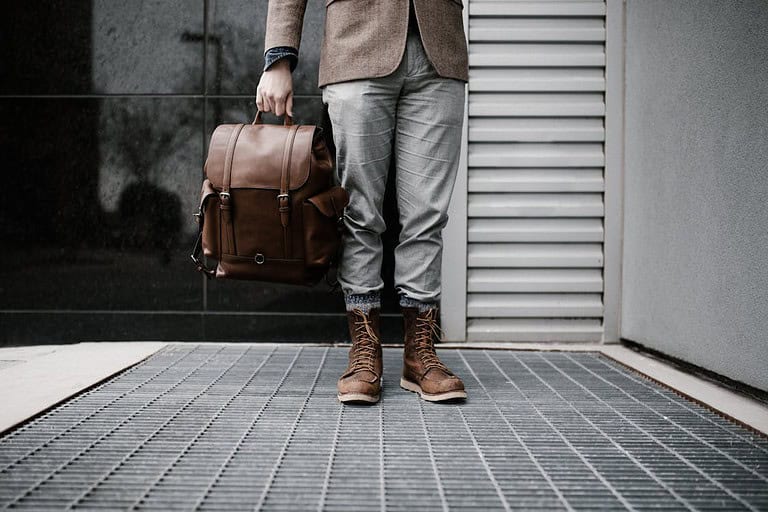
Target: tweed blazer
366	38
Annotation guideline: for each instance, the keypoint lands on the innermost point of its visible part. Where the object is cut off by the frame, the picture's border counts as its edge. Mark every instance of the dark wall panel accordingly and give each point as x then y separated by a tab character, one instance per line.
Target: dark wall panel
97	216
102	47
45	47
106	111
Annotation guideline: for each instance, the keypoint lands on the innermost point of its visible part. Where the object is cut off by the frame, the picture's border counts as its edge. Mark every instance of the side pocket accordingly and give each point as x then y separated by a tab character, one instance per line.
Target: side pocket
209	207
321	214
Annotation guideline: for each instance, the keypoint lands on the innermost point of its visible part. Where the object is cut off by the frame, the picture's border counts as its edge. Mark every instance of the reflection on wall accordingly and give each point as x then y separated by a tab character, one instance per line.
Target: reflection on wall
150	150
149	157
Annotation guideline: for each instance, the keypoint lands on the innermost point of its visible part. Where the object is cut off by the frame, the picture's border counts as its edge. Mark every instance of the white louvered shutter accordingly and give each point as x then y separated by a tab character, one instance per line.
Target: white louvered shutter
535	157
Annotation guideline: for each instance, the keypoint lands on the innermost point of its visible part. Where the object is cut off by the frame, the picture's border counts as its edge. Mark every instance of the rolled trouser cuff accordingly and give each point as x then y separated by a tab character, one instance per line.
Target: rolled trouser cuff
408	302
363	301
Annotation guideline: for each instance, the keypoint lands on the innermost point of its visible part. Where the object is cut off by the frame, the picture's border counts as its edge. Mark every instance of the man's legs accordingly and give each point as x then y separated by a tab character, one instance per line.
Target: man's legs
430	113
362	113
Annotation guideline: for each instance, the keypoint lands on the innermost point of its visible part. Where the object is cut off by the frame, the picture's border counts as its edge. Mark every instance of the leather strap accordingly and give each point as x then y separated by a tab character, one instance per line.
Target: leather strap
207	192
283	198
196	250
228	231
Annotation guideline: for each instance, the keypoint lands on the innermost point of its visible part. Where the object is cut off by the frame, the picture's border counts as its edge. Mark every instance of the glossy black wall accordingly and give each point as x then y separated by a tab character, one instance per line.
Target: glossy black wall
107	107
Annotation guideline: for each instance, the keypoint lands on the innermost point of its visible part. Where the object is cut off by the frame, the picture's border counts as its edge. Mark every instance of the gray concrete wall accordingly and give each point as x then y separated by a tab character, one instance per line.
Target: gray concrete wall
695	264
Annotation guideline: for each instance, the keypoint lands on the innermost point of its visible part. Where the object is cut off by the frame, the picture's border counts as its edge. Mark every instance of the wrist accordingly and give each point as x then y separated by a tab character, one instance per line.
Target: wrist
282	65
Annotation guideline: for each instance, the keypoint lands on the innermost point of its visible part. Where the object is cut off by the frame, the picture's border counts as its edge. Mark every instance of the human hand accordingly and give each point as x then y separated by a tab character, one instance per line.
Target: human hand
275	90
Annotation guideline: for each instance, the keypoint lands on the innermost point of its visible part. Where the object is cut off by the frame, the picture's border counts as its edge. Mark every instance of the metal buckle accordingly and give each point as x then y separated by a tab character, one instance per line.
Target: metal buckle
280	196
223	195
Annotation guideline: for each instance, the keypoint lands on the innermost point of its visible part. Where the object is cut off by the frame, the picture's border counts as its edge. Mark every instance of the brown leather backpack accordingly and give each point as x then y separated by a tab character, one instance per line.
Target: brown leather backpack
269	210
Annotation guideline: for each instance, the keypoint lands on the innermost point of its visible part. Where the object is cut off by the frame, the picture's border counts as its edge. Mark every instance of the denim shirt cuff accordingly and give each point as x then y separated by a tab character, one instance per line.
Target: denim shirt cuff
281	52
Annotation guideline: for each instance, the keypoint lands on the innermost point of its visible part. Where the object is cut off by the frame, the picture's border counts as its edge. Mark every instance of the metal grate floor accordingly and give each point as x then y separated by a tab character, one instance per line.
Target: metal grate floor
255	427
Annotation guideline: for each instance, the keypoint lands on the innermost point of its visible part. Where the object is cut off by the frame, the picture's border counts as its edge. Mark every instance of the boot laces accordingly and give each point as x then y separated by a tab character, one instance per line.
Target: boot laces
426	332
364	347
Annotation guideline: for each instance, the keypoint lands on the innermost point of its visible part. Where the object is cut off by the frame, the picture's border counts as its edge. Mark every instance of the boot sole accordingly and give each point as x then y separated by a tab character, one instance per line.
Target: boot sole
432	397
357	397
360	397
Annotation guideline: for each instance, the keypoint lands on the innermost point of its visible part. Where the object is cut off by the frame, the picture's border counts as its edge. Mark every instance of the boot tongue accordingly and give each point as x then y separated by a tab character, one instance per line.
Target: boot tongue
438	373
365	375
360	375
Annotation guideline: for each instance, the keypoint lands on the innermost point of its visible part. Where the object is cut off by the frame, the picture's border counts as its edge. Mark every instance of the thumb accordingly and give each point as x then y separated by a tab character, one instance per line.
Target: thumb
289	104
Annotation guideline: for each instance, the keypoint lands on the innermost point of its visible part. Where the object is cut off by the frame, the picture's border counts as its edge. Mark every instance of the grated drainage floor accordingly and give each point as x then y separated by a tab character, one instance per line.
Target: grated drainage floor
258	427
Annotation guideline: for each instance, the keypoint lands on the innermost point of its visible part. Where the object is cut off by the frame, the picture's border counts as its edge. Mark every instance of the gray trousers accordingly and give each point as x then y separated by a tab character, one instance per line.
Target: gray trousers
415	117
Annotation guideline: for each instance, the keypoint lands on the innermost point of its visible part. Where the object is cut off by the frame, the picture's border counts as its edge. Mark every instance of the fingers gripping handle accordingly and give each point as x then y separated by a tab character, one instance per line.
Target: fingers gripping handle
287	120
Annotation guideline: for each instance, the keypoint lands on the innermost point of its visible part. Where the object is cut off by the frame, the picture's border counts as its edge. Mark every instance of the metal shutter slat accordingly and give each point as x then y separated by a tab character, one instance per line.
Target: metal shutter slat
535	155
539	55
513	305
534	329
541	8
536	29
536	104
535	280
535	230
535	180
535	205
508	255
536	80
525	129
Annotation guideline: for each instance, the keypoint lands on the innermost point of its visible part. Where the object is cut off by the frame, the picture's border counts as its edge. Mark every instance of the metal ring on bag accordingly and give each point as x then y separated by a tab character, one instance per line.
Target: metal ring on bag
259	258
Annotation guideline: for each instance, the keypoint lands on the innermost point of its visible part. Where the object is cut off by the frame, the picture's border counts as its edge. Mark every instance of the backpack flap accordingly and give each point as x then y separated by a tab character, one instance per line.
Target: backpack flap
259	156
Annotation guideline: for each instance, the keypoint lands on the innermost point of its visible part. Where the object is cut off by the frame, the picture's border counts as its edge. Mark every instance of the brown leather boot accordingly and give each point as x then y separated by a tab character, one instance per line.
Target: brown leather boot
361	381
423	372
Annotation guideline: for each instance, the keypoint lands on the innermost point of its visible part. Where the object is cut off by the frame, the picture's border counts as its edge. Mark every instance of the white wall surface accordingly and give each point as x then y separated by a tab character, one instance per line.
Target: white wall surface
695	260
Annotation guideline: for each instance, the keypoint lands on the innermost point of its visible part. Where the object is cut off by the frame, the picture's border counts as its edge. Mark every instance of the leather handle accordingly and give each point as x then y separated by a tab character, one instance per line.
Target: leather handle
287	120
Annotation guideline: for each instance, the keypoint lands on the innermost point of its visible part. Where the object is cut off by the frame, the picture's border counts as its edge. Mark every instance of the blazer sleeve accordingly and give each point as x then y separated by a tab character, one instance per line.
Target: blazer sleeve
285	19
